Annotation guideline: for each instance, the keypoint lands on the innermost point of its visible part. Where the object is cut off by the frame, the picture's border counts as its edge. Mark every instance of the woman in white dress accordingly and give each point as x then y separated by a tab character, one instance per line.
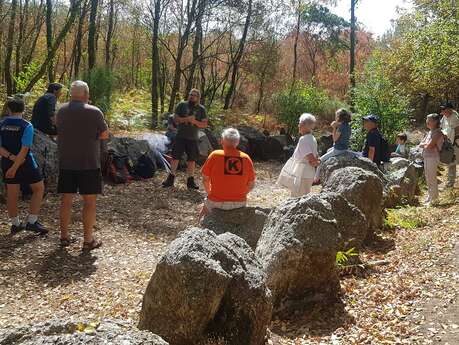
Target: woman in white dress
298	173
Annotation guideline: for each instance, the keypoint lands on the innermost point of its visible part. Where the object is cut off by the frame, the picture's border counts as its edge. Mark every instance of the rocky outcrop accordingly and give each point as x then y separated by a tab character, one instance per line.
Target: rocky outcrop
78	332
44	150
132	148
348	159
403	187
361	188
207	286
246	222
260	146
298	248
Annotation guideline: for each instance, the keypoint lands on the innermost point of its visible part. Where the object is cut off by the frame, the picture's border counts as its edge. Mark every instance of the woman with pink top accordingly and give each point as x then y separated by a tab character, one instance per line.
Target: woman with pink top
431	146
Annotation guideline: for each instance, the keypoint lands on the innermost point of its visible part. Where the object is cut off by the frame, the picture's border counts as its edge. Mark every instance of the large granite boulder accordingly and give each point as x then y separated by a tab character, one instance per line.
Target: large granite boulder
256	142
207	286
403	186
348	159
131	147
298	248
246	222
361	188
78	333
44	150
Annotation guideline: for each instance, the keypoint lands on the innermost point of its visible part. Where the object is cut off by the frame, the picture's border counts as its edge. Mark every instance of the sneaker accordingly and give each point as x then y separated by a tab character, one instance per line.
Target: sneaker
169	181
191	184
16	228
37	228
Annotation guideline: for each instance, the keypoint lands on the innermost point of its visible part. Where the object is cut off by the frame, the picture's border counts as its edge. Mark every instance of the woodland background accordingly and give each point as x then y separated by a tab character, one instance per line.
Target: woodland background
260	61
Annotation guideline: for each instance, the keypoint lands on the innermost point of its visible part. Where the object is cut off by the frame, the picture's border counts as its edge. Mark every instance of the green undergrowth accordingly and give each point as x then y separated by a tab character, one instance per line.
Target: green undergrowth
406	218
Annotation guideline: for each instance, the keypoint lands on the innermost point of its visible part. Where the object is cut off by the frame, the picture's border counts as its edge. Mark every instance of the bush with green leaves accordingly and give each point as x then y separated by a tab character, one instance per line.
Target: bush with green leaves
291	102
376	94
100	81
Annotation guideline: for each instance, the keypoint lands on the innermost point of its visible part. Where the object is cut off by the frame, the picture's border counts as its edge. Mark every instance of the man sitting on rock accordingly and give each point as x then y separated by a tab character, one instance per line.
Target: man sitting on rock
228	175
373	142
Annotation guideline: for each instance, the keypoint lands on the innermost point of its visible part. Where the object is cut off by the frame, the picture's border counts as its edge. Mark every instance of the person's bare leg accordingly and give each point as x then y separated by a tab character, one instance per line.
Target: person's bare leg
190	168
89	217
174	166
38	190
12	196
65	215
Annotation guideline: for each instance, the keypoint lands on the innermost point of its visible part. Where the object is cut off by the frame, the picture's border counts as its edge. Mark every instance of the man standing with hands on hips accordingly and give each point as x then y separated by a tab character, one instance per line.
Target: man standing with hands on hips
189	116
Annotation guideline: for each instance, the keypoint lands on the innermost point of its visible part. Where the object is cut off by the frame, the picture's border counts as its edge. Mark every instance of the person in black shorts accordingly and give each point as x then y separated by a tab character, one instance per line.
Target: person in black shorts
80	127
19	167
44	110
189	117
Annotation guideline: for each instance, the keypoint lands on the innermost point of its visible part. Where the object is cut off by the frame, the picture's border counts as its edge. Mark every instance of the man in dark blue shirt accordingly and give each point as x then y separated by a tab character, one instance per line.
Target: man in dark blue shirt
44	110
19	166
373	142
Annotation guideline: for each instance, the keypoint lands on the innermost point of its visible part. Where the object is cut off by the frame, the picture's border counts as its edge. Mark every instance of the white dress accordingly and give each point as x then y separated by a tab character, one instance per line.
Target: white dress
297	175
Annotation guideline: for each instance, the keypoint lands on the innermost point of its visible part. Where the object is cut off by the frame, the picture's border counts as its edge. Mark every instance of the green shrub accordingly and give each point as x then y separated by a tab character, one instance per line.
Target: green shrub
100	81
290	103
376	94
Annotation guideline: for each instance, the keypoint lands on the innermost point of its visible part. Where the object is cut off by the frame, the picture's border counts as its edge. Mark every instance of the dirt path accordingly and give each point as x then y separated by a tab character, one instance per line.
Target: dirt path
398	303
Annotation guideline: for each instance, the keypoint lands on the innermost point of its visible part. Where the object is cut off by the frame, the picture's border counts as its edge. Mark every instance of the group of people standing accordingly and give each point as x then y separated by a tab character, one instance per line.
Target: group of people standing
79	128
228	174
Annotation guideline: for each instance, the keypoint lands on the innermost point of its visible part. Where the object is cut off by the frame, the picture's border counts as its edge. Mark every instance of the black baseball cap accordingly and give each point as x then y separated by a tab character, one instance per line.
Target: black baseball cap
447	105
371	118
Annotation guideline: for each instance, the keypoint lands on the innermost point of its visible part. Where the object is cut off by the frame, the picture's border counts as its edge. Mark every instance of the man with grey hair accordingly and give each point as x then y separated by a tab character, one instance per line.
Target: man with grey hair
228	175
80	127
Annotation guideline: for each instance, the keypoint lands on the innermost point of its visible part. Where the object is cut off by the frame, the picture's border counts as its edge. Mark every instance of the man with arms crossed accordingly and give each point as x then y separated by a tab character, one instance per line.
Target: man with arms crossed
189	116
228	175
80	127
450	128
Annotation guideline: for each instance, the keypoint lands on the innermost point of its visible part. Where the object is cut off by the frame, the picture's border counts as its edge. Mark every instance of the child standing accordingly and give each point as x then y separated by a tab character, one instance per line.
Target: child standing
298	173
19	166
431	146
341	136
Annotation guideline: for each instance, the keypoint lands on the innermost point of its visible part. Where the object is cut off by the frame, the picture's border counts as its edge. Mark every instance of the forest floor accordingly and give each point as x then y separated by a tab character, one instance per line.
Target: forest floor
412	299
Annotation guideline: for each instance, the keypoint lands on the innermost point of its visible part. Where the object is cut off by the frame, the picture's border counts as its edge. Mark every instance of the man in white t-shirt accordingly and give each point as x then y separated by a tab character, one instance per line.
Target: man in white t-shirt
450	128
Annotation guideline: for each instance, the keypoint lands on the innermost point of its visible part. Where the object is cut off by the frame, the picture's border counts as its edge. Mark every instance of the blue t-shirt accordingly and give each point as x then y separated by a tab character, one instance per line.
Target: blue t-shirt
374	139
345	136
15	133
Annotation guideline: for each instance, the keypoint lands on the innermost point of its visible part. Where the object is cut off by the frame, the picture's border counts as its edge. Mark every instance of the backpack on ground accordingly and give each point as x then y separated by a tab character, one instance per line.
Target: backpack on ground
145	167
447	154
117	168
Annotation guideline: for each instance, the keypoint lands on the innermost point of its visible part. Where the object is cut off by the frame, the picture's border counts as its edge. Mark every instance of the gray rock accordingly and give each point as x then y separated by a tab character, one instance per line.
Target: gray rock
131	148
348	159
415	154
44	150
298	250
396	164
403	186
246	222
361	188
78	332
207	286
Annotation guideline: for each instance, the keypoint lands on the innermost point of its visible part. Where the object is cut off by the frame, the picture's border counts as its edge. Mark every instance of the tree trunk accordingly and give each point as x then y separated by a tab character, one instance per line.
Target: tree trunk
295	45
352	55
2	75
92	35
183	41
196	46
110	32
238	57
79	39
155	65
9	48
74	9
49	35
38	23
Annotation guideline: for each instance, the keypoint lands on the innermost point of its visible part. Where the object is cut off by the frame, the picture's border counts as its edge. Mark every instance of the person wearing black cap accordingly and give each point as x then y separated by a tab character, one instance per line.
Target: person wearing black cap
373	142
44	110
450	128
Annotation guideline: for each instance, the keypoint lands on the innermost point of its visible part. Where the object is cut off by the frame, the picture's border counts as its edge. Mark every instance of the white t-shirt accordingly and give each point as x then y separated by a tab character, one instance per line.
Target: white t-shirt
306	145
448	125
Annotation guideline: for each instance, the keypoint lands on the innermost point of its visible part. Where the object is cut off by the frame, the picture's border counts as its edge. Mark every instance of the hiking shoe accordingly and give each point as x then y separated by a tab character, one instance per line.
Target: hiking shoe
37	228
88	246
190	184
169	181
16	228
